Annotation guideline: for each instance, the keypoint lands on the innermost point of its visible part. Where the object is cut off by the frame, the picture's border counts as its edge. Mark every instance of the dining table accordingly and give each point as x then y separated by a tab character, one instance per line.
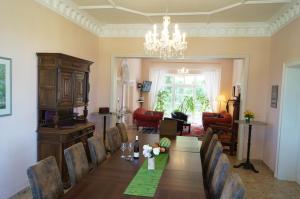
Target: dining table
181	178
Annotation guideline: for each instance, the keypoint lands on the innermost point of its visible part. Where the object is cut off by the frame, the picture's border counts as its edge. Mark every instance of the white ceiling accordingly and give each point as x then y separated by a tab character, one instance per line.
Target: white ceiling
182	11
198	18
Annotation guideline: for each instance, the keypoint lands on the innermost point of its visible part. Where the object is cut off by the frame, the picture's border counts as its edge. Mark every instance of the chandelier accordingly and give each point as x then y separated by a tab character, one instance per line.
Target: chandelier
163	44
183	70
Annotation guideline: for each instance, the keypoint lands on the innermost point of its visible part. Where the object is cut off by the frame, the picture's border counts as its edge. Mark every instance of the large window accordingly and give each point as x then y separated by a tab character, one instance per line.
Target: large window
184	92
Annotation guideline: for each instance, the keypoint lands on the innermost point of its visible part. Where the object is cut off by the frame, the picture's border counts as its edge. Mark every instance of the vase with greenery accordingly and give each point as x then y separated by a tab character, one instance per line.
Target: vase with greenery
249	115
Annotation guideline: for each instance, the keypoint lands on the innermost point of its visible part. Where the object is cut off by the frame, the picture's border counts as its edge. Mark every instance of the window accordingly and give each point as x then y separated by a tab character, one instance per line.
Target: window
185	91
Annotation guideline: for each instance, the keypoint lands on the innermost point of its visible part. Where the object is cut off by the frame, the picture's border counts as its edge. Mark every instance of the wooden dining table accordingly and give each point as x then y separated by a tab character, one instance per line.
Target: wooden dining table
181	178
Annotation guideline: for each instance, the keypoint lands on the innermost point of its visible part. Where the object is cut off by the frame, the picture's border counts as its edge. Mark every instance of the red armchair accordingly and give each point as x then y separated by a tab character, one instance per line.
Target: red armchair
216	118
144	118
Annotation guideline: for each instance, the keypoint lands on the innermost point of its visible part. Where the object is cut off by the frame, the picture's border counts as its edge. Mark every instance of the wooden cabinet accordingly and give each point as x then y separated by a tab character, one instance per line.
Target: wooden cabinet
79	89
63	85
53	142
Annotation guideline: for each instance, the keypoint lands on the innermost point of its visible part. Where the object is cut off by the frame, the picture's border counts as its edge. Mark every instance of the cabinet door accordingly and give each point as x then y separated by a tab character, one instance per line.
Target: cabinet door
65	88
80	88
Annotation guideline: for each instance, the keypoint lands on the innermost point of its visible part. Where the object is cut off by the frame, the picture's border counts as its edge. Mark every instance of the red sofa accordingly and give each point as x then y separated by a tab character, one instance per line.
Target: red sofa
145	118
209	118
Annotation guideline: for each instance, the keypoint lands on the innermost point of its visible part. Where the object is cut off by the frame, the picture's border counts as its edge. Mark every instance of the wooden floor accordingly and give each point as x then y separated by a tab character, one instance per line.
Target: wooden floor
259	186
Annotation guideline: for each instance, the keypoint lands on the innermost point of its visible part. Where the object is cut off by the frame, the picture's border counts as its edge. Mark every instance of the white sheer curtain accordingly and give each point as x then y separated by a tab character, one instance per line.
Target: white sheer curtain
157	78
212	84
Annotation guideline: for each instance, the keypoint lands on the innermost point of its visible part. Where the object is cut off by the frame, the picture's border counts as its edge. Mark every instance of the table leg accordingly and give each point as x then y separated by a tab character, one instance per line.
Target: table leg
248	164
189	128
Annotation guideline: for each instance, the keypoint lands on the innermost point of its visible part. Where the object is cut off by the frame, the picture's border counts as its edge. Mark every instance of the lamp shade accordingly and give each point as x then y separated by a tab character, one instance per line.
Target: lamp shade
221	98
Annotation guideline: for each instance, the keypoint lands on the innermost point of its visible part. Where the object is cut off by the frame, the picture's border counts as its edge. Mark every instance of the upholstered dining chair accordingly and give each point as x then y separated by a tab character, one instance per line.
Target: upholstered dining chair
113	140
97	150
233	188
45	180
209	151
219	176
217	151
208	135
123	132
77	162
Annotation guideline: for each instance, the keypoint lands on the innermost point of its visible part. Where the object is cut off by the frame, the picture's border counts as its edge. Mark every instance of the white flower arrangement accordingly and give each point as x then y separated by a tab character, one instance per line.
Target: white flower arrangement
149	151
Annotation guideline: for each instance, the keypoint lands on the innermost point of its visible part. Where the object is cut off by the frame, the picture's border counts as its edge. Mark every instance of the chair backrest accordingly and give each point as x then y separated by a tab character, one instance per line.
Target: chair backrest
45	180
233	188
113	139
208	135
168	128
209	151
217	151
179	115
219	176
97	150
77	162
123	132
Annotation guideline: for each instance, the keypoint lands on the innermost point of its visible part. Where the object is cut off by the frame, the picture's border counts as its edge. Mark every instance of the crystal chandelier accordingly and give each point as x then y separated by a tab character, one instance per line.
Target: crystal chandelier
164	45
183	70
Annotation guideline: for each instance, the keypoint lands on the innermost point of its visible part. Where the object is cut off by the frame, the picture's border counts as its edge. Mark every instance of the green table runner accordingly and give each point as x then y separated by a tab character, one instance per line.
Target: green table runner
145	181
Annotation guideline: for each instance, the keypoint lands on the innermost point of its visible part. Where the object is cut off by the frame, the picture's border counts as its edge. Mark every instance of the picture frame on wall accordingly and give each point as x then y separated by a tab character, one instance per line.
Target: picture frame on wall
274	96
5	86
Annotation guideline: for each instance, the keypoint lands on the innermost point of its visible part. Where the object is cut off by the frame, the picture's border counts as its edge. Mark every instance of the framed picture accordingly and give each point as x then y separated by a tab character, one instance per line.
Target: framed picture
5	86
274	96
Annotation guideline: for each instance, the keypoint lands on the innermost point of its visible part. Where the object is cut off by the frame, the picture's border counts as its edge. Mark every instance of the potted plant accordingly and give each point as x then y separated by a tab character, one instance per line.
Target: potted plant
249	115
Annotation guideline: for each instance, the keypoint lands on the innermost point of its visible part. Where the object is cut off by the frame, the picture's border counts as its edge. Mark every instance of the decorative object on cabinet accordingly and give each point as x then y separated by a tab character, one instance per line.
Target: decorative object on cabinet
5	86
63	87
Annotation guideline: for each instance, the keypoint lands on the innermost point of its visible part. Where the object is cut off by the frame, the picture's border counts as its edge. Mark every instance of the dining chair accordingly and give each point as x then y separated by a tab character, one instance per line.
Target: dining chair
122	131
233	188
77	162
205	143
168	128
45	180
97	150
209	151
113	140
217	151
219	176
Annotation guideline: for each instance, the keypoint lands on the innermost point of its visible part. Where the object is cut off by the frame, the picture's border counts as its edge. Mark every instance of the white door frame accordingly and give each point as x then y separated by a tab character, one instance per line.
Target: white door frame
244	86
287	65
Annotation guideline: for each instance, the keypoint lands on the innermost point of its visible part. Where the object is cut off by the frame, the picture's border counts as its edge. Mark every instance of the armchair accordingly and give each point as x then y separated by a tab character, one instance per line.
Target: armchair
181	119
228	133
144	118
216	118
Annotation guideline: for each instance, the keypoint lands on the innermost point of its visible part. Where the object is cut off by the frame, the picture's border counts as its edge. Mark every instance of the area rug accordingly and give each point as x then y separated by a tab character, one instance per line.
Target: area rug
196	131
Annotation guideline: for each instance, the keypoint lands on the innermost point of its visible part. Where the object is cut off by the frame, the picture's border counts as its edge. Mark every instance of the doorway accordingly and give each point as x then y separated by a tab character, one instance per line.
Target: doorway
241	77
288	153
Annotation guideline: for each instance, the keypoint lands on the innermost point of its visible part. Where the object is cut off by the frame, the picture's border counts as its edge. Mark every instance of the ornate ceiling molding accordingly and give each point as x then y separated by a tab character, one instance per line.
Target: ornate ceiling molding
113	5
285	16
192	30
71	12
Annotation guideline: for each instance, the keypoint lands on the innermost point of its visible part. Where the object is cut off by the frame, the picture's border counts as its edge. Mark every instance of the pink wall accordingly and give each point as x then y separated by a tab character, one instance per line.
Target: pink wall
26	28
285	47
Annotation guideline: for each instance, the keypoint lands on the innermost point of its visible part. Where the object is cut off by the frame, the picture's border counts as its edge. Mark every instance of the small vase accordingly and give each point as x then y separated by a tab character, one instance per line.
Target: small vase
247	119
151	163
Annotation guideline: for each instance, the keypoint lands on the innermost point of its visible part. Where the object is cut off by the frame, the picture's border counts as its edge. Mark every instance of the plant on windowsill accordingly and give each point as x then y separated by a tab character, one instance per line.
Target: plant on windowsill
162	100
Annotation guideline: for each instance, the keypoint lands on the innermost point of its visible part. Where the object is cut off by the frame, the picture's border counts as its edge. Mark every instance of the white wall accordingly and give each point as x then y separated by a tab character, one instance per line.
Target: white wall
27	28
